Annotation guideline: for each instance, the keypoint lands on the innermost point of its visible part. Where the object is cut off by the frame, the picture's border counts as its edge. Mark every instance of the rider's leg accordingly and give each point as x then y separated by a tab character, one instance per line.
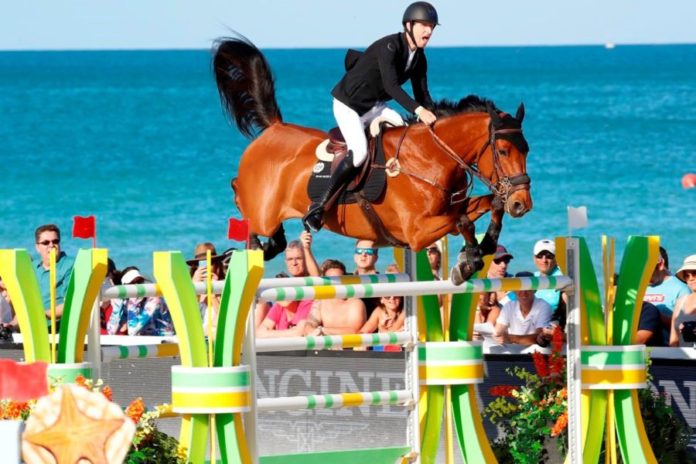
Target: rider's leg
353	132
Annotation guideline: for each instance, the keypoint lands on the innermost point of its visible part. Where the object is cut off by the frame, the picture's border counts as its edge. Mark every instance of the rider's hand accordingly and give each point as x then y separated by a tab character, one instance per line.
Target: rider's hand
425	115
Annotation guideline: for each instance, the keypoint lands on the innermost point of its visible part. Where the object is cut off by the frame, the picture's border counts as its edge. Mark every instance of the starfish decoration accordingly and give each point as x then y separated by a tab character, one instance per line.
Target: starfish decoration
74	435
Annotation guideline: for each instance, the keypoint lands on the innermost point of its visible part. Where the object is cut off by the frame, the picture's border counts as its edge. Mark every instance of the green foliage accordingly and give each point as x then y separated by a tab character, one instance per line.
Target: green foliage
159	448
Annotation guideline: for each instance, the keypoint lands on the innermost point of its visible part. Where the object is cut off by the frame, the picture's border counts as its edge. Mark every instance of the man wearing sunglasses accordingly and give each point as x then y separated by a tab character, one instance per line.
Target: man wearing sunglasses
48	238
365	257
545	261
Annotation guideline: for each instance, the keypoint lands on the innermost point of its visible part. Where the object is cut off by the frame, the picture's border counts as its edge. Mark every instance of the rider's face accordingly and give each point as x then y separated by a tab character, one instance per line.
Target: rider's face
422	32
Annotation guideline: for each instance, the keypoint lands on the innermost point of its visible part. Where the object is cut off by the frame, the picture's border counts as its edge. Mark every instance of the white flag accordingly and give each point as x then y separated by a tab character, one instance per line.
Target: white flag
577	217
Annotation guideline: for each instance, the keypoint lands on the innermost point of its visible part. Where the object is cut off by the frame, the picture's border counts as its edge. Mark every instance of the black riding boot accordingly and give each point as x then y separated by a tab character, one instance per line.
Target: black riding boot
340	178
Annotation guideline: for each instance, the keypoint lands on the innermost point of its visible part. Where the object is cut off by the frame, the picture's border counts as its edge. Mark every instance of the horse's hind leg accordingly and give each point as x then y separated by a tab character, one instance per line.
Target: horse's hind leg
276	243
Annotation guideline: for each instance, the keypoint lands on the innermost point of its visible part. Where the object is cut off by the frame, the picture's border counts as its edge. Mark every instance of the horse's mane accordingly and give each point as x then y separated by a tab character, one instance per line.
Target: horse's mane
468	104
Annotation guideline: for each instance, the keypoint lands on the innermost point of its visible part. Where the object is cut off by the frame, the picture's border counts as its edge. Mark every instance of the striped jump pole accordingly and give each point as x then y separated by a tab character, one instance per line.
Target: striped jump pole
327	342
436	287
162	350
148	290
336	400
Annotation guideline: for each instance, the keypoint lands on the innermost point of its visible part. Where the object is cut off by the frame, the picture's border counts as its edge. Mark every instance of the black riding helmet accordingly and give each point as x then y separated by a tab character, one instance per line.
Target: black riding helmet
420	11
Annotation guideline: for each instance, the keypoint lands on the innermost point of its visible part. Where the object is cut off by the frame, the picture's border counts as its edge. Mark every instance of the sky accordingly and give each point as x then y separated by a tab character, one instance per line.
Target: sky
194	24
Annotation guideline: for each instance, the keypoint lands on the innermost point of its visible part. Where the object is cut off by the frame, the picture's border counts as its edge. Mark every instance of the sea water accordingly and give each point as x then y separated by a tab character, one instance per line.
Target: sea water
138	139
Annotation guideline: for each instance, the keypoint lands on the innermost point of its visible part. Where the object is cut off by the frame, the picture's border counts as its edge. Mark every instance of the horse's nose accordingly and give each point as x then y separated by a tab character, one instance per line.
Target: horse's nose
517	209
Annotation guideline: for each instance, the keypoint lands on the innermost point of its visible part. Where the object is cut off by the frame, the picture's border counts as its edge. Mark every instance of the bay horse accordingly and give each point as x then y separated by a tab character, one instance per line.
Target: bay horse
429	198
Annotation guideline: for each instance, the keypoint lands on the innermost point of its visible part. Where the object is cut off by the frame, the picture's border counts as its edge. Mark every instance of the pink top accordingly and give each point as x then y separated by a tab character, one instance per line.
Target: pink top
278	314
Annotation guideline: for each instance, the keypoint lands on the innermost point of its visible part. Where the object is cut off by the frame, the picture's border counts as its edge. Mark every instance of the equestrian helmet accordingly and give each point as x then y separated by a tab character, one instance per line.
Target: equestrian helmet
420	11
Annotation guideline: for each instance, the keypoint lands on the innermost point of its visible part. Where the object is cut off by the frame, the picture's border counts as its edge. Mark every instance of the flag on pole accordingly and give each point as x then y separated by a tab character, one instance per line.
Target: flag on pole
85	227
577	217
22	382
238	229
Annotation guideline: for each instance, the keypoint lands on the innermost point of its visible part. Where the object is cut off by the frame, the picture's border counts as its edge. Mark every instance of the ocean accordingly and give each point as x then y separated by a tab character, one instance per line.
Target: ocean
138	139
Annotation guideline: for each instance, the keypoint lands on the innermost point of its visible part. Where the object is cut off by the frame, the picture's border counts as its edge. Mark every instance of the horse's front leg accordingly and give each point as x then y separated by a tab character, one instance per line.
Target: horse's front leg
489	243
470	259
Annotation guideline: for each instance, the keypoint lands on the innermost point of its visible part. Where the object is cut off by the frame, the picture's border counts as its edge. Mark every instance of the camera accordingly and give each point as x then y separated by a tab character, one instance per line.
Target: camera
5	333
688	331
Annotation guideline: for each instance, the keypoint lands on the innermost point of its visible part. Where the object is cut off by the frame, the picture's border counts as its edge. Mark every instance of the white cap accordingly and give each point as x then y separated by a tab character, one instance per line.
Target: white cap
130	276
545	245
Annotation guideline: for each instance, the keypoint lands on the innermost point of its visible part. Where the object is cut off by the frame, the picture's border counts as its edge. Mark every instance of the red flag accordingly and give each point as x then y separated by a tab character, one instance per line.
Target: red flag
22	382
238	229
84	227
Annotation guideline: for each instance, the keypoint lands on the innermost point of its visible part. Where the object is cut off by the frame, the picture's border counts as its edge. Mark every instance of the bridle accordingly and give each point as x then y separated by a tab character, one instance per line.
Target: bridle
502	189
505	184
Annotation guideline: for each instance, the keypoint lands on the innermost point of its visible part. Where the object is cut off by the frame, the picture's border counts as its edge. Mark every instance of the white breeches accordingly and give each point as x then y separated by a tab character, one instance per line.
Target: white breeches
353	126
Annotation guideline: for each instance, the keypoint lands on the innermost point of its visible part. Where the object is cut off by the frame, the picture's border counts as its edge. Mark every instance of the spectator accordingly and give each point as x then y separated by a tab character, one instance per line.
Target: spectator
435	259
650	331
522	320
663	290
337	316
365	258
48	238
285	319
545	261
298	259
139	315
389	316
6	311
498	270
487	309
106	307
683	326
198	267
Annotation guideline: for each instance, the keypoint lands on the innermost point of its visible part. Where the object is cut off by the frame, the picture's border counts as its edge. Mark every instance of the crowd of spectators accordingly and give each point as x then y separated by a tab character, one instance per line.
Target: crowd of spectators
668	312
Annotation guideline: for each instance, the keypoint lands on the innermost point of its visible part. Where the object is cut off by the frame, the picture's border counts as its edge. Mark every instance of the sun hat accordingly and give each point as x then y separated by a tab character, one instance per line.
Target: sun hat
130	276
545	245
689	265
501	252
199	254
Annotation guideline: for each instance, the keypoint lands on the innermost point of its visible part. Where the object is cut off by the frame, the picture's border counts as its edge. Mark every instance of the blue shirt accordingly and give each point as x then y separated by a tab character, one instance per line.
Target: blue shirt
666	294
64	265
551	296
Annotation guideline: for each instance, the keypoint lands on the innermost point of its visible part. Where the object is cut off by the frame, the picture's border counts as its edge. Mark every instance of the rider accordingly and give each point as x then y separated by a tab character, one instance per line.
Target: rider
370	81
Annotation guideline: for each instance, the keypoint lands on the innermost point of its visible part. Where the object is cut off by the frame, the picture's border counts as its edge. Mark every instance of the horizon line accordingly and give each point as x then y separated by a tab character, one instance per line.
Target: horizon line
145	49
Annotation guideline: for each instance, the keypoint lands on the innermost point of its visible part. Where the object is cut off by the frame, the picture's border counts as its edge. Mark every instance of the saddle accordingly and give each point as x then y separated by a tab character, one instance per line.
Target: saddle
369	182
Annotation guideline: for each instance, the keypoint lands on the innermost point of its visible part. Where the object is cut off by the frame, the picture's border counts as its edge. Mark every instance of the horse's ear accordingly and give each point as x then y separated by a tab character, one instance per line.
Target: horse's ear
495	117
520	113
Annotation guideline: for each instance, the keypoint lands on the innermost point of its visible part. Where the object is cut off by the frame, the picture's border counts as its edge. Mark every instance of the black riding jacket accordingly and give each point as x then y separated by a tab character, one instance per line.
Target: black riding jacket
378	74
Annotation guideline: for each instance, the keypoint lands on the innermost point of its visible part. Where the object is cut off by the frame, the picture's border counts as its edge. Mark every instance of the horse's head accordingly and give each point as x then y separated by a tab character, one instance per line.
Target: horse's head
504	162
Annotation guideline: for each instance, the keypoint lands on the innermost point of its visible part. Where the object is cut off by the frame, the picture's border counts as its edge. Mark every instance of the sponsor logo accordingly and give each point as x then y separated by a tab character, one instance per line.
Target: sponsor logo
318	167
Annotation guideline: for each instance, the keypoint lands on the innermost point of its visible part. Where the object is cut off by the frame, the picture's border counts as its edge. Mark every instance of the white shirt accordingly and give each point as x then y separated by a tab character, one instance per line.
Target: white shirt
511	316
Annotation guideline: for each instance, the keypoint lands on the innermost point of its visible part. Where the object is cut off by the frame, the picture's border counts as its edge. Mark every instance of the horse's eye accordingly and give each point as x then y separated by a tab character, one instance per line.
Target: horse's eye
503	152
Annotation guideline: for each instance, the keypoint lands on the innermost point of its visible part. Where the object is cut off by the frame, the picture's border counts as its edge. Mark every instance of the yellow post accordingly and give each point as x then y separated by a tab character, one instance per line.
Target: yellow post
52	287
449	431
209	313
609	294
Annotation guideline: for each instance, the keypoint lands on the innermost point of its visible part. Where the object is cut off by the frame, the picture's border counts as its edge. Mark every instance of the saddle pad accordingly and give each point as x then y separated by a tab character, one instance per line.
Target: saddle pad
372	188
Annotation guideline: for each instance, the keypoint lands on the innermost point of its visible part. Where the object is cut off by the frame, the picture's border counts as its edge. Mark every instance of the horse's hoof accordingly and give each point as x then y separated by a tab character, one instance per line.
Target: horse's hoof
460	273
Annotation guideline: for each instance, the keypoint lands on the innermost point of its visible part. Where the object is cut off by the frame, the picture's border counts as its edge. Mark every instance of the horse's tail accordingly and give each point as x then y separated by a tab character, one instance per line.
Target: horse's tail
245	83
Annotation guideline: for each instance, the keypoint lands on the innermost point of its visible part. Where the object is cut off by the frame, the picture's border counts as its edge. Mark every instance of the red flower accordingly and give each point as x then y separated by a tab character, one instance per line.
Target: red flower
136	409
502	390
557	340
557	364
560	425
106	391
81	381
540	364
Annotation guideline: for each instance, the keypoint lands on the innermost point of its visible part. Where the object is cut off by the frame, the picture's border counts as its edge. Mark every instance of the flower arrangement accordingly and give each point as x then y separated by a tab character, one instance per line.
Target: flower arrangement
149	446
534	412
